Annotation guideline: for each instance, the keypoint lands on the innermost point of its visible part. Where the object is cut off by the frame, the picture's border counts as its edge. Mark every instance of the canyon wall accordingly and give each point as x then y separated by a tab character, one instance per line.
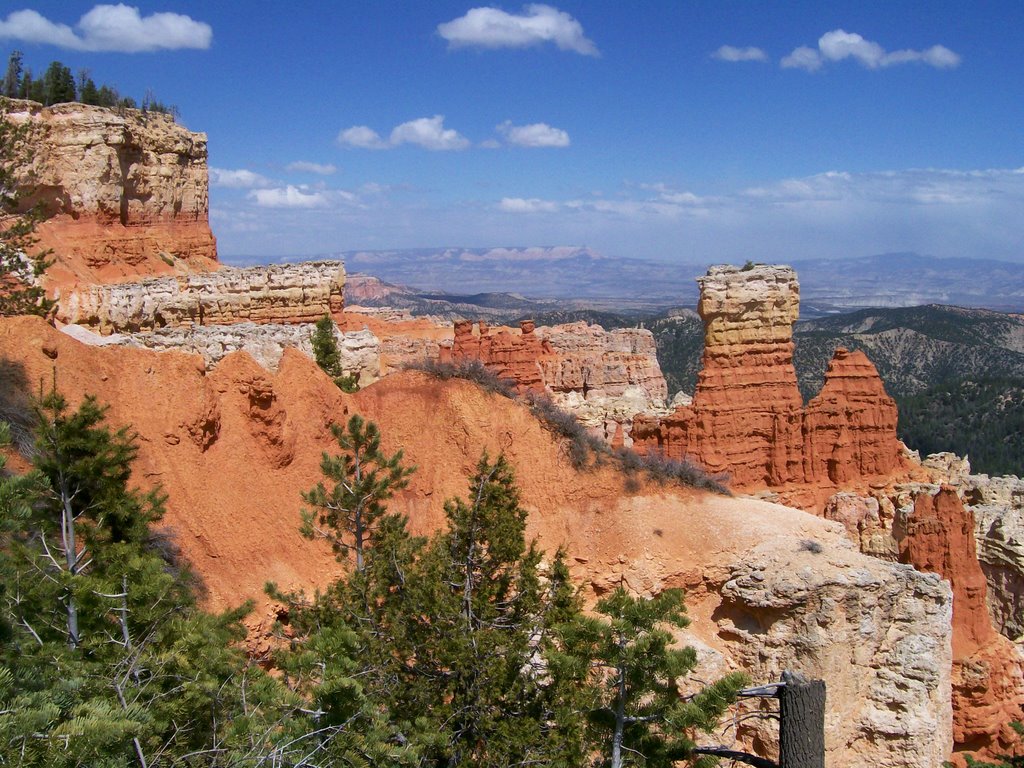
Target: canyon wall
768	588
284	293
126	192
747	418
603	377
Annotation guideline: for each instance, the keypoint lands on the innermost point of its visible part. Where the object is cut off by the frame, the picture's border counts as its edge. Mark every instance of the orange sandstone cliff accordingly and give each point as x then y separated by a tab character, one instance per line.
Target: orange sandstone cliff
126	192
769	588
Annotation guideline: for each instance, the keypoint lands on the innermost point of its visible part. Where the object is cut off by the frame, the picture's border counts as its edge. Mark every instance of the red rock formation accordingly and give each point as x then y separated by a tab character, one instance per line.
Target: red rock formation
514	357
747	418
988	687
850	426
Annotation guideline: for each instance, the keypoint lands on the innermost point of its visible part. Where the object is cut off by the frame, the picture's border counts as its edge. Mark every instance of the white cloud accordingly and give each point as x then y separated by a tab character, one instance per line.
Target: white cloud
302	166
429	133
531	205
237	179
534	135
362	137
287	197
839	45
426	132
732	53
119	28
494	28
803	58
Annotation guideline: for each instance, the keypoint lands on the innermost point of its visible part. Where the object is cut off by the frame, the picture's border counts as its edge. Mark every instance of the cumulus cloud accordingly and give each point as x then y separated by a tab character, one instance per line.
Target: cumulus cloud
533	135
538	24
237	179
429	133
287	197
839	44
362	137
302	166
426	132
527	205
119	28
732	53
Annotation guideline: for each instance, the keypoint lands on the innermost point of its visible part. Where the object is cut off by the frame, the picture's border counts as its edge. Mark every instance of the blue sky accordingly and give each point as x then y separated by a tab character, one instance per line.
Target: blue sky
686	131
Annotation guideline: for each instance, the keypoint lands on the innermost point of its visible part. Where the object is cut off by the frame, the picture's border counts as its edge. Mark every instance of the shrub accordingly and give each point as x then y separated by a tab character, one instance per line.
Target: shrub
663	470
564	424
470	370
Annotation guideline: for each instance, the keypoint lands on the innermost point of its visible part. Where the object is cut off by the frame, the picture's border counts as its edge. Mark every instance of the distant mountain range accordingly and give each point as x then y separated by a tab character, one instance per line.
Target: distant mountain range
565	272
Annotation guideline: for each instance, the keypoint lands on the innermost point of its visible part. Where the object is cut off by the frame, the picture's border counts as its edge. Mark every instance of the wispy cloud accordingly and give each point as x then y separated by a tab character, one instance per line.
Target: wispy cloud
302	166
237	179
288	197
530	205
119	28
732	53
839	44
538	24
426	132
533	135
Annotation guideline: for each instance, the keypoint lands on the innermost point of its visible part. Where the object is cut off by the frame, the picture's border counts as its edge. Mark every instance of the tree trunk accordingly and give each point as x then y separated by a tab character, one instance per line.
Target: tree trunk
802	724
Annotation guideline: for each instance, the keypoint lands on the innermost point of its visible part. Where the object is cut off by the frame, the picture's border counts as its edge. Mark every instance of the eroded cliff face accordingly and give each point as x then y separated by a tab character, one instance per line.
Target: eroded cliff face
768	588
988	670
603	377
747	419
126	191
280	293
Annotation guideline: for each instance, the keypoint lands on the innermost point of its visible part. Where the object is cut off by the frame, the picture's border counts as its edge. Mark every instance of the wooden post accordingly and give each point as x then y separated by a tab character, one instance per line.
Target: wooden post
802	723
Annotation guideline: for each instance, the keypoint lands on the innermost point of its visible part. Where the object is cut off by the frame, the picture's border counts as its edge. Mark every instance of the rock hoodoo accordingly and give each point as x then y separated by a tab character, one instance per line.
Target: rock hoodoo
127	192
747	418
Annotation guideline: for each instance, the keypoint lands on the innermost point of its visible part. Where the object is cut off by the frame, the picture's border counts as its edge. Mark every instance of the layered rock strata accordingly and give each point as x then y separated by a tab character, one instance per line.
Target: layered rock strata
359	351
747	418
514	357
126	192
284	293
988	670
603	377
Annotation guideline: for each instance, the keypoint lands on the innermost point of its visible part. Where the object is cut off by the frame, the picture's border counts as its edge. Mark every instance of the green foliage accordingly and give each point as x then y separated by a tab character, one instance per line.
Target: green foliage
979	418
106	661
328	356
18	264
638	715
363	478
57	86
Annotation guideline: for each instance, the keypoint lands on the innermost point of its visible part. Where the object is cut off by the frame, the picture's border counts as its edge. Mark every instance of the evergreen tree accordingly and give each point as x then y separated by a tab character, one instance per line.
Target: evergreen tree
18	265
58	84
472	692
12	79
363	477
107	660
638	716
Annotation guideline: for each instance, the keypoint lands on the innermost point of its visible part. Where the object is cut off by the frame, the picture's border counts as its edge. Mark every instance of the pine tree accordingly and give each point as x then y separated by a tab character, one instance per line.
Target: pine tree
58	84
363	477
107	660
18	264
12	78
638	716
473	682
